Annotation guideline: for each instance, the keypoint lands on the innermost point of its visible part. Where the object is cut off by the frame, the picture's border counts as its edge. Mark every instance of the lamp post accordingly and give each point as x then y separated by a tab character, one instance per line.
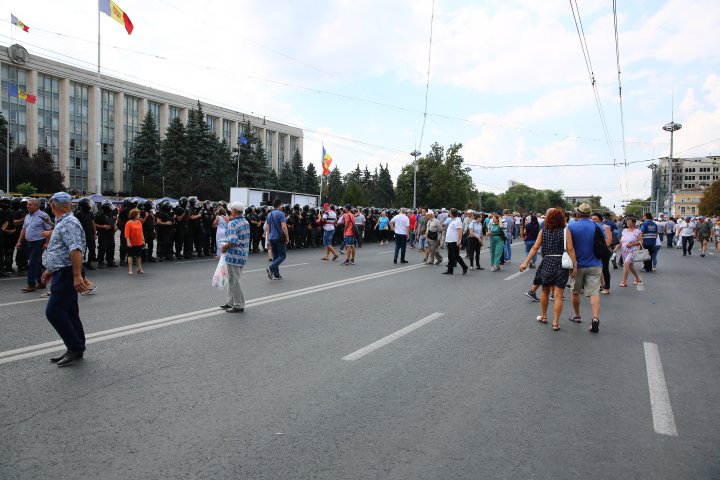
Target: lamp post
415	153
671	127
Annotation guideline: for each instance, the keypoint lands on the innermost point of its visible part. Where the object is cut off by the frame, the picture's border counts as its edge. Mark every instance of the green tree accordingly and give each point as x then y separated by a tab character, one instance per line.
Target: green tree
489	202
637	207
286	181
335	186
146	160
385	191
254	172
312	182
354	194
26	189
298	172
37	169
710	201
174	160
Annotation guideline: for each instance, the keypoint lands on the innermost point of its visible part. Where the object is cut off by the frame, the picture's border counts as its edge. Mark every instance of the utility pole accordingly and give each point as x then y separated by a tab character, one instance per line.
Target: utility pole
671	127
415	153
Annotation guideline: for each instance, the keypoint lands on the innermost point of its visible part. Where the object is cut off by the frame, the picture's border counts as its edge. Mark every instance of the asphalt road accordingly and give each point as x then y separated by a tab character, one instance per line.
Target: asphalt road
377	371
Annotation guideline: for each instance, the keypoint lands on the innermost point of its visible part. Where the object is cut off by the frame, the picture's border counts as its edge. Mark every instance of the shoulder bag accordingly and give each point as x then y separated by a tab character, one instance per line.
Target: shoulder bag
640	255
567	262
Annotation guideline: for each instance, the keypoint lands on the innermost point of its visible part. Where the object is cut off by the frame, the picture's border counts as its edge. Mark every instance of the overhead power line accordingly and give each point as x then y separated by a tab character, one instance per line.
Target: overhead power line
427	83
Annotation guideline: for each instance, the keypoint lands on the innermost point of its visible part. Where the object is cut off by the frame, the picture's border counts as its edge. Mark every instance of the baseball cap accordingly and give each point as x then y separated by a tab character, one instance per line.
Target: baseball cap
61	197
326	204
431	212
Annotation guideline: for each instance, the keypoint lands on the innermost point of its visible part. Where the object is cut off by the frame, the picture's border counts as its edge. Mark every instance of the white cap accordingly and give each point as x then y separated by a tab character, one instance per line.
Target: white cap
430	212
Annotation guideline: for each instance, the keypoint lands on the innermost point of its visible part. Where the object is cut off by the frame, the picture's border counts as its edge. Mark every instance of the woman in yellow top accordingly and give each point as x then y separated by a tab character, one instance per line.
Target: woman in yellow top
135	241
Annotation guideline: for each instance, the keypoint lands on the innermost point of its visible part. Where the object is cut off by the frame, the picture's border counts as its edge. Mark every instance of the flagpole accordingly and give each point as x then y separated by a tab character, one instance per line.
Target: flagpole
98	122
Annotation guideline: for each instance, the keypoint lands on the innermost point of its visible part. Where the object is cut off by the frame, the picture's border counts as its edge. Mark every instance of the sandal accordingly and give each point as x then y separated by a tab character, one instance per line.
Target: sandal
575	319
336	257
325	258
541	319
555	326
622	285
595	328
637	282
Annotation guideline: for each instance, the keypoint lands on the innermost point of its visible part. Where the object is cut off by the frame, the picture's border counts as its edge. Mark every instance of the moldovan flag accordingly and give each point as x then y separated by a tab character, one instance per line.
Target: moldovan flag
111	9
326	161
23	95
16	21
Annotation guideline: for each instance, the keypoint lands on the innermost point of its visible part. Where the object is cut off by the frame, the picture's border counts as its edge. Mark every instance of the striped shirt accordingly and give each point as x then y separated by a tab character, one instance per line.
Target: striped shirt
237	233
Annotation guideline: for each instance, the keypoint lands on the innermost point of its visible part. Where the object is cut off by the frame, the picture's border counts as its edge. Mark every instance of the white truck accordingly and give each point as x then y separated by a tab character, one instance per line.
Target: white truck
259	196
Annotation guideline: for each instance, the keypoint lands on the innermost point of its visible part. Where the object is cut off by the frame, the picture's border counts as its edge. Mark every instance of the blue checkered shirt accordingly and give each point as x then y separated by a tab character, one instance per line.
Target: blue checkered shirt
67	236
237	233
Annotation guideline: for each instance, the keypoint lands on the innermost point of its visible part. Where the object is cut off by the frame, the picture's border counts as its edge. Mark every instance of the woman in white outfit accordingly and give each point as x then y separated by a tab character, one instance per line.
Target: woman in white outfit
221	222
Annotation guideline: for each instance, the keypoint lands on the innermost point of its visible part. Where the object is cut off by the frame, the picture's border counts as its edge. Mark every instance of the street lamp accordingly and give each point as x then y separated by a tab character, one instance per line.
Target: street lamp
653	183
415	153
671	127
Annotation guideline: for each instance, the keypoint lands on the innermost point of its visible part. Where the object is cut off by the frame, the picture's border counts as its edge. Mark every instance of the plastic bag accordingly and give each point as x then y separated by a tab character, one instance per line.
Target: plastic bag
220	277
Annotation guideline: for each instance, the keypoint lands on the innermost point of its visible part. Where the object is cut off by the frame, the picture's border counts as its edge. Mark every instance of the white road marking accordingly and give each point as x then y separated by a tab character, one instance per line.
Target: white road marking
281	266
391	338
663	419
389	251
24	301
43	348
515	275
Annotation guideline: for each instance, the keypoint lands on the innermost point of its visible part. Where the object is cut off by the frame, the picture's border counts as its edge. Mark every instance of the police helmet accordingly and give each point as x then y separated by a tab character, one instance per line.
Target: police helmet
5	203
193	201
85	205
107	206
183	202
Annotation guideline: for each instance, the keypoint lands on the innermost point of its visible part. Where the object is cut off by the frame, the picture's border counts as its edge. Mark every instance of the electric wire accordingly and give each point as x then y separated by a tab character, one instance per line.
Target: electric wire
319	91
622	115
427	83
588	64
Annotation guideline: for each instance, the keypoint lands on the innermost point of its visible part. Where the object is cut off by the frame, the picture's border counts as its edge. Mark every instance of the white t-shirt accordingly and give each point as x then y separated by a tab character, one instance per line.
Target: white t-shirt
402	224
452	230
687	229
359	219
330	218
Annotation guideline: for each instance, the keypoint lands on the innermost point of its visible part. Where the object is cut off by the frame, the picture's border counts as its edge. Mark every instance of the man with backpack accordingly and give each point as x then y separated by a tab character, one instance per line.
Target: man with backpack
589	265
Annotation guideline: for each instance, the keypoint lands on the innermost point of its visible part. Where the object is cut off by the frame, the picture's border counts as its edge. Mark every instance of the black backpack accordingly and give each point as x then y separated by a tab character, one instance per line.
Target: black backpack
600	248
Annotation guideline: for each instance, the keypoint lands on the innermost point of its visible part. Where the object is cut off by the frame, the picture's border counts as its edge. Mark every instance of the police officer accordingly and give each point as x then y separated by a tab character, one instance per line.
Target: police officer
166	231
207	217
7	228
86	216
255	229
181	223
18	206
147	218
122	219
105	226
193	235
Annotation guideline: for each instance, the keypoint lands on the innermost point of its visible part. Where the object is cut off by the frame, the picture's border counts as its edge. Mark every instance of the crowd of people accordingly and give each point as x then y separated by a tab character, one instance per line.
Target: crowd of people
576	249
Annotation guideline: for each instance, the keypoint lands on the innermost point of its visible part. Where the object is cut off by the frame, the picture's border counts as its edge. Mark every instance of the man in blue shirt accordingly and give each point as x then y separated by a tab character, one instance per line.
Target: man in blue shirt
278	236
650	232
236	248
35	225
63	262
589	267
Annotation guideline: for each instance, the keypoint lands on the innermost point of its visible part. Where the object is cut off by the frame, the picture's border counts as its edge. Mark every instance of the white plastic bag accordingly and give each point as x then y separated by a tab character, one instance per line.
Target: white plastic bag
220	277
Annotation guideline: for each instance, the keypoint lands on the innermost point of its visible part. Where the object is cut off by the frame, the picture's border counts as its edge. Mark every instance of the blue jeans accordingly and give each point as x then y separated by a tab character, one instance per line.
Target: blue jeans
528	246
278	252
34	251
62	310
506	248
670	237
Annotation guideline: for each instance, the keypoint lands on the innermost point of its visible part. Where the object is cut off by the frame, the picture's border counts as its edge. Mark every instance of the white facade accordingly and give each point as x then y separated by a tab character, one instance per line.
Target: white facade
89	123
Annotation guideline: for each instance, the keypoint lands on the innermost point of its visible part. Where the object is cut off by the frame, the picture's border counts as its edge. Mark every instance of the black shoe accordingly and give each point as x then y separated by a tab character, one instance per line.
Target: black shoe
123	263
69	358
465	271
395	261
404	261
277	277
269	273
595	327
532	296
112	264
154	260
235	310
59	357
447	272
89	266
226	306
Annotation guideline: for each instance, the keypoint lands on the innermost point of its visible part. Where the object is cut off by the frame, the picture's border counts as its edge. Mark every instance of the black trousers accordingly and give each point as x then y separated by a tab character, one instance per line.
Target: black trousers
454	257
687	244
106	247
90	244
606	273
400	246
474	251
123	246
179	238
62	310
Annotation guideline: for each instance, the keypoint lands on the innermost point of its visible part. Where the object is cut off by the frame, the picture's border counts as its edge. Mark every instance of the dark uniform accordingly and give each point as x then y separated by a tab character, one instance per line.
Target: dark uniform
86	217
21	258
7	229
255	229
181	222
207	217
166	231
148	228
106	237
122	219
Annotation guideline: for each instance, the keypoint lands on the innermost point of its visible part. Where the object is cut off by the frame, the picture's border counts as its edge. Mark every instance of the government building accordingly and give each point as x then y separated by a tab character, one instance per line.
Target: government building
71	103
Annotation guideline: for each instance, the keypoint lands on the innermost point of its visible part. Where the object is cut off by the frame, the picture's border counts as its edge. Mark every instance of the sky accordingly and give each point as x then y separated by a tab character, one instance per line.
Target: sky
507	79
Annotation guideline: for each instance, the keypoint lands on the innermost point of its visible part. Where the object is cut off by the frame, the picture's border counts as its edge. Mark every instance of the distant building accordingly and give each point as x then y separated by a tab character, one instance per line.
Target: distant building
63	120
689	174
574	201
686	203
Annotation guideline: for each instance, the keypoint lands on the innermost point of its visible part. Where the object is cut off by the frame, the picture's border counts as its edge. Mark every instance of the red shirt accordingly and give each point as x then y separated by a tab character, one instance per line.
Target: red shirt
413	221
134	233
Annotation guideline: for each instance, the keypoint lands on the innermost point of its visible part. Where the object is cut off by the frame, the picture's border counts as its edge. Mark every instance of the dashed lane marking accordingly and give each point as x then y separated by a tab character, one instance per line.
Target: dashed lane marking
663	418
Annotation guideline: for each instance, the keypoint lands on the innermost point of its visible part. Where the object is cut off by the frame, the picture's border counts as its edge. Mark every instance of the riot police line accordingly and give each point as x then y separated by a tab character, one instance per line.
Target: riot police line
173	231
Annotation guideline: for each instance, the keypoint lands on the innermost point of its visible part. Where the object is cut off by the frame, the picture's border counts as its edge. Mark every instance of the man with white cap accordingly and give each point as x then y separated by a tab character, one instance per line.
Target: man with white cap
63	262
236	249
433	232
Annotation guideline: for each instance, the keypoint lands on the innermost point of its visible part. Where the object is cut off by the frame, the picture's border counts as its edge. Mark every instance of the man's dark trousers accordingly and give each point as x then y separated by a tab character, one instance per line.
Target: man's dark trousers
400	246
62	310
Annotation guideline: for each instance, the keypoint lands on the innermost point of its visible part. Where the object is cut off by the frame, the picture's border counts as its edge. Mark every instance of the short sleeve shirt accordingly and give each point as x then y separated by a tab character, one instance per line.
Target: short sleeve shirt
452	230
35	224
237	233
402	223
67	236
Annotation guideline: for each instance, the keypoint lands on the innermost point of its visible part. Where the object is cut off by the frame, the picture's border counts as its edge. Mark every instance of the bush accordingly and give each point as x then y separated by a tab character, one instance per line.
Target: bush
26	189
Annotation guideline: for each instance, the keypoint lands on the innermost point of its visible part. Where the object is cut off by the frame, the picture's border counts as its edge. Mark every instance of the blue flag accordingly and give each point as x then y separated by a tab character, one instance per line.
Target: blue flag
12	90
242	140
